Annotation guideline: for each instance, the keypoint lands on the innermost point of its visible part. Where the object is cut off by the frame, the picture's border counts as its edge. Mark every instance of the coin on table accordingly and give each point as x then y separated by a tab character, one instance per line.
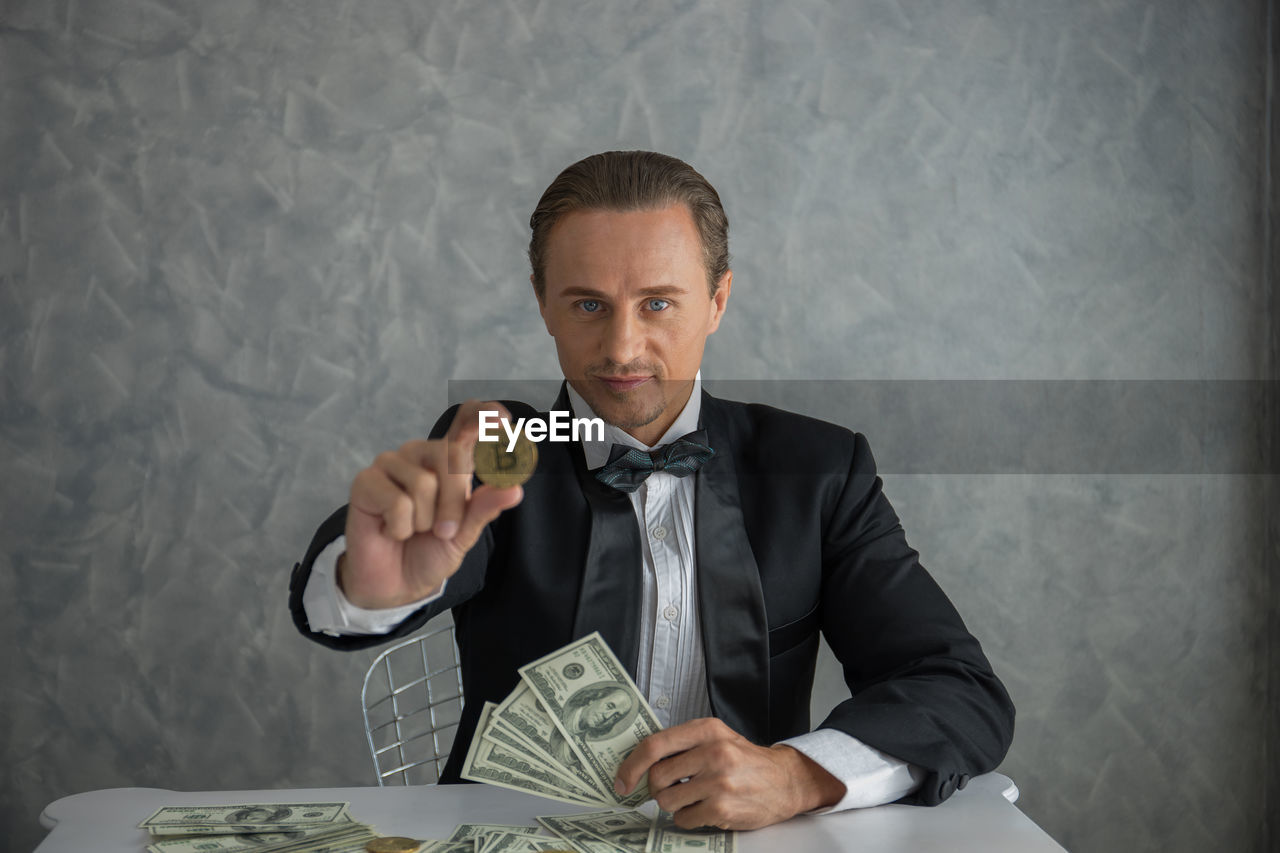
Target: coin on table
496	466
393	844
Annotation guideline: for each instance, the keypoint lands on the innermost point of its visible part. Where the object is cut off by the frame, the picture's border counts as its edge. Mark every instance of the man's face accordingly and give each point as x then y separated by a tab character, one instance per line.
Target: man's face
627	301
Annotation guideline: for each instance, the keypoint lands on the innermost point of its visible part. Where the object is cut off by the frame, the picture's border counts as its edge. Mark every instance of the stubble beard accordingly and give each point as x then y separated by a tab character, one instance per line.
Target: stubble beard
629	415
627	410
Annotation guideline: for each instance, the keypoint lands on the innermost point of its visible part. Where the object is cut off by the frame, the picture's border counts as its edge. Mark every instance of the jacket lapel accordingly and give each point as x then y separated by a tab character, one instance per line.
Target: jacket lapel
609	596
735	631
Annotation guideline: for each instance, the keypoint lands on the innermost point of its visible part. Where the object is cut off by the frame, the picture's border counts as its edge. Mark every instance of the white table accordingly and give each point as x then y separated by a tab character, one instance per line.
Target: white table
979	818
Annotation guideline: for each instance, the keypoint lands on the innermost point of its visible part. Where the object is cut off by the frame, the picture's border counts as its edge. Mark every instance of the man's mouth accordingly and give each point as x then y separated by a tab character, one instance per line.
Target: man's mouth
618	384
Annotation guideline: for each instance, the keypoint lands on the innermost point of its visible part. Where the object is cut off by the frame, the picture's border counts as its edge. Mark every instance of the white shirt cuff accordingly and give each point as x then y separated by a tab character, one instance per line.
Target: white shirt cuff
870	777
328	610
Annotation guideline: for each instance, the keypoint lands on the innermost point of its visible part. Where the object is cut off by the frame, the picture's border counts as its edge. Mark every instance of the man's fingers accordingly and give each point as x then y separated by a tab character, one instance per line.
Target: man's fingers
682	739
660	745
486	504
459	465
376	494
679	799
464	432
676	768
421	484
703	813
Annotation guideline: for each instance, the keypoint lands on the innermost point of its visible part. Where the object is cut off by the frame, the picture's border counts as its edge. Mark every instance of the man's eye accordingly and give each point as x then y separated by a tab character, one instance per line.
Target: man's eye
658	304
590	306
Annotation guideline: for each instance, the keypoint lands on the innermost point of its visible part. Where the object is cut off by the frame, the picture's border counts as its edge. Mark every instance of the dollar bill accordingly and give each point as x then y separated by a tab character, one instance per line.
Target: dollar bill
596	707
477	830
523	717
466	845
666	837
576	836
570	780
496	764
506	842
625	830
307	839
242	818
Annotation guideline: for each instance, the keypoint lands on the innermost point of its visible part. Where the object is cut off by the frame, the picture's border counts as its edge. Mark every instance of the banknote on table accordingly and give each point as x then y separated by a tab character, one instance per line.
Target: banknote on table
242	818
467	845
622	830
509	842
463	831
666	837
336	838
522	717
596	706
577	837
499	764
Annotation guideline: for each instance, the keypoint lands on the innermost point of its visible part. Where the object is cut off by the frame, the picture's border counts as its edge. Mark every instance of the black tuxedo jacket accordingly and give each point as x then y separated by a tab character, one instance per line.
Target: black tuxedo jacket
793	536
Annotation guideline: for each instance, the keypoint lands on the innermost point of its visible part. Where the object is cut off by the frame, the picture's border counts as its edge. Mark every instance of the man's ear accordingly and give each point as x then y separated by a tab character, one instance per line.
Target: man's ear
720	299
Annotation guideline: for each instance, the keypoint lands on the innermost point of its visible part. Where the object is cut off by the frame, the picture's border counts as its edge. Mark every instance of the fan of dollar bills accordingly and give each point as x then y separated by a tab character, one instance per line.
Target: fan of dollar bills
565	730
563	733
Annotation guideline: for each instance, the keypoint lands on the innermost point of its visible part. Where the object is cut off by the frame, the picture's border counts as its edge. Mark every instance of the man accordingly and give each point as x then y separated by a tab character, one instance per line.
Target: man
710	580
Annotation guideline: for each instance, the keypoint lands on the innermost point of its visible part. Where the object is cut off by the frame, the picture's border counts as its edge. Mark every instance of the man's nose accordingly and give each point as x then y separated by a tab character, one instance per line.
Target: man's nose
624	340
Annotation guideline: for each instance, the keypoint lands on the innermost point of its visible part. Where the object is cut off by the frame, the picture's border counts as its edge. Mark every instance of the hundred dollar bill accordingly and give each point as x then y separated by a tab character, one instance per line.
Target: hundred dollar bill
576	836
666	837
522	715
570	781
627	830
496	764
312	839
596	706
241	818
467	845
508	842
477	830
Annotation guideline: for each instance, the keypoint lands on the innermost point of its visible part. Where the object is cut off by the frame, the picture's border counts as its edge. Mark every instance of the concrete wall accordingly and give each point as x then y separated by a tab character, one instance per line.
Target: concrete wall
244	246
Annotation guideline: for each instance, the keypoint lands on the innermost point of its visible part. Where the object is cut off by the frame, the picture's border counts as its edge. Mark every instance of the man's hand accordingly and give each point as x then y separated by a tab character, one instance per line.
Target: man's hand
412	515
706	774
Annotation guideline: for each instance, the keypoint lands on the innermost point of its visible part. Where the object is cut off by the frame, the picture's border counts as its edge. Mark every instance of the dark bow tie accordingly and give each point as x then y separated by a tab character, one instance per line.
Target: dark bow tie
628	467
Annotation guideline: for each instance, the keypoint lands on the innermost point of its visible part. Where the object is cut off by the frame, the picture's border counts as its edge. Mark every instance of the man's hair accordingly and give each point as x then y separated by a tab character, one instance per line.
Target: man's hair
626	181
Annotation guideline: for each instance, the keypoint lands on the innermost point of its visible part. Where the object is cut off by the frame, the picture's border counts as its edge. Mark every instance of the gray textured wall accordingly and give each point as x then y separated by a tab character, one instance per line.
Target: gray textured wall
1271	562
244	245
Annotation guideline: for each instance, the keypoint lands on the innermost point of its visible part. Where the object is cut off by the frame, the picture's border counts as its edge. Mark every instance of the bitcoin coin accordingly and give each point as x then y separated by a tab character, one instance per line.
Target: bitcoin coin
393	844
495	466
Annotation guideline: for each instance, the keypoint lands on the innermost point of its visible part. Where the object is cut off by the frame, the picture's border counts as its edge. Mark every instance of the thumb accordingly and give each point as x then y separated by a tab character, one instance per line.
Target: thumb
486	504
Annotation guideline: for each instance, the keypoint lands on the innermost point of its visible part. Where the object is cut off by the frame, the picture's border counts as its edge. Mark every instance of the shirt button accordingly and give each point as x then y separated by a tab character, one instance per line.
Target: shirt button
659	533
670	613
663	701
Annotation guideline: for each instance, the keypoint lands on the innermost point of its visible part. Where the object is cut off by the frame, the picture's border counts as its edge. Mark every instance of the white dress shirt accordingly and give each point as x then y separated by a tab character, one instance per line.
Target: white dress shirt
671	669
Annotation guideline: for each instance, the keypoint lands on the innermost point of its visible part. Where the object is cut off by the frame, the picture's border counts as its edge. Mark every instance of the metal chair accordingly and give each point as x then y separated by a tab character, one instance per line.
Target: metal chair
412	701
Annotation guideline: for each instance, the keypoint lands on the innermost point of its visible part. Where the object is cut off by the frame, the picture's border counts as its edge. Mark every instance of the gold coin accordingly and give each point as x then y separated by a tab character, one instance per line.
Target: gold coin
393	844
495	466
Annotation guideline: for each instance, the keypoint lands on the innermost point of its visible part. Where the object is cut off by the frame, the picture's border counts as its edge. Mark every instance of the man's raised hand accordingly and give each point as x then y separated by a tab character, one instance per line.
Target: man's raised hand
413	516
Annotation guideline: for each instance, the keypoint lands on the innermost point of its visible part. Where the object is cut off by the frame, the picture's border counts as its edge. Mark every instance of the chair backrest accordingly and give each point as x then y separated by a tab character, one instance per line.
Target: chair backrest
412	701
